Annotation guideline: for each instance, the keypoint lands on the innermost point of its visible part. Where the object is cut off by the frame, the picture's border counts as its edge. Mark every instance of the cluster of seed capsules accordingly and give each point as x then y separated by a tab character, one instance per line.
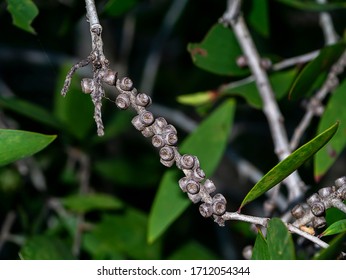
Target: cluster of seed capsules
164	137
313	212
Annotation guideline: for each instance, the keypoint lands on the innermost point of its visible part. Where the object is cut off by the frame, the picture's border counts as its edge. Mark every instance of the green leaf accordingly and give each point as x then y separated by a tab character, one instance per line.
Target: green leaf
75	111
18	144
289	164
217	53
197	99
123	234
117	8
90	202
30	110
313	5
260	249
208	143
259	17
279	241
280	81
335	228
334	111
23	12
192	250
333	251
311	72
45	248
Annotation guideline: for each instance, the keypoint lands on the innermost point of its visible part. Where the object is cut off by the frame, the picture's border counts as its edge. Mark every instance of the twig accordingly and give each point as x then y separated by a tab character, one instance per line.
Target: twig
327	26
314	106
270	106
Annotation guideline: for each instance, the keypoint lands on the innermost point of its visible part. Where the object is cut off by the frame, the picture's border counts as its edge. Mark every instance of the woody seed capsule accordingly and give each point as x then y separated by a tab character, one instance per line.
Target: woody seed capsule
298	211
219	208
192	187
122	101
157	141
110	77
87	85
166	153
143	99
126	84
205	209
318	222
187	161
317	208
340	182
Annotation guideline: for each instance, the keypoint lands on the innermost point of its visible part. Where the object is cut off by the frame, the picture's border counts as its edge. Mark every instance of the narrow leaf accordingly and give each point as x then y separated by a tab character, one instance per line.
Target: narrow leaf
311	72
90	202
18	144
198	98
289	164
279	241
260	249
208	143
259	17
334	111
23	12
333	251
335	228
217	53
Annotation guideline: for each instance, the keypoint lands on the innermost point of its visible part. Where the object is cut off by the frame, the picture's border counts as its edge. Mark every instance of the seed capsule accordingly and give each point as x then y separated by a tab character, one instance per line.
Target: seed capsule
126	84
298	211
312	199
157	141
192	187
158	125
318	208
325	192
318	222
195	198
205	209
166	153
340	182
219	208
143	99
182	183
110	77
209	186
199	174
122	101
187	161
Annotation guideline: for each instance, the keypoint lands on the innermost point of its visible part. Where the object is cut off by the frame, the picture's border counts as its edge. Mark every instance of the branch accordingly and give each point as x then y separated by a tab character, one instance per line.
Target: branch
270	106
327	26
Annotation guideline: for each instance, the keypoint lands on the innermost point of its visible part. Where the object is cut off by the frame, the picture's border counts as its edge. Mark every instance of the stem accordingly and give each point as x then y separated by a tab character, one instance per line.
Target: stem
270	106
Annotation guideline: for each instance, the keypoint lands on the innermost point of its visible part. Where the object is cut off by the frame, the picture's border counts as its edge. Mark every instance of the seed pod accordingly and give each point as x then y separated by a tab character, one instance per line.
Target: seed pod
325	192
158	125
192	187
170	138
219	208
87	85
195	198
136	121
143	99
298	211
342	193
219	204
209	186
147	132
182	183
219	220
157	141
199	174
318	222
167	156
206	210
312	199
146	118
122	101
187	161
110	77
126	84
317	208
340	182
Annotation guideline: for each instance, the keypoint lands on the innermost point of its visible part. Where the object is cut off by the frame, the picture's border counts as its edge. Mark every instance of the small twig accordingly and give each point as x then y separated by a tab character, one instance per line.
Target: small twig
327	26
314	106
